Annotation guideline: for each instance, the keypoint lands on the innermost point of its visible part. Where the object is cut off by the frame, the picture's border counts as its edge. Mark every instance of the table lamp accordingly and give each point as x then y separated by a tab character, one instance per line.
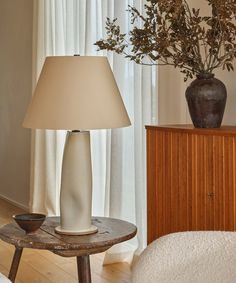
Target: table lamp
76	93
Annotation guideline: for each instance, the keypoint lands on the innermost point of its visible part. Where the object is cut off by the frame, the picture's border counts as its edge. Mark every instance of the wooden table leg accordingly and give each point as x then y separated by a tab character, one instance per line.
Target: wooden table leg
83	265
15	264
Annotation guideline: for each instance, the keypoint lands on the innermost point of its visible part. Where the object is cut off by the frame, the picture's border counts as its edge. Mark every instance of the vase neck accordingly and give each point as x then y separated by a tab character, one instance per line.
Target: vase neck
205	76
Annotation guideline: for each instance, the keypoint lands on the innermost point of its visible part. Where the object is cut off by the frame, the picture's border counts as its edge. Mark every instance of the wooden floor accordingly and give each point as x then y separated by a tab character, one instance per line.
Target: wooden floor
44	267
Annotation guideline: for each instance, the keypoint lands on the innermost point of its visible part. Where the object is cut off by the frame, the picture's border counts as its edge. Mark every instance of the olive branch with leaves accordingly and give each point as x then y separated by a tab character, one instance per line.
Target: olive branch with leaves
171	33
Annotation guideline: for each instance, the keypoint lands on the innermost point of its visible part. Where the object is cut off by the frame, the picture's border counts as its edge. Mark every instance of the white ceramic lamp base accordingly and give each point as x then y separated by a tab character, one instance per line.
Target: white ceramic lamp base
93	229
76	186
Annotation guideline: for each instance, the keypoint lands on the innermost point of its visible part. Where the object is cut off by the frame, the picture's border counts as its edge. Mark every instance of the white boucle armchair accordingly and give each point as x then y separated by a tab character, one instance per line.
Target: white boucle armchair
188	257
4	279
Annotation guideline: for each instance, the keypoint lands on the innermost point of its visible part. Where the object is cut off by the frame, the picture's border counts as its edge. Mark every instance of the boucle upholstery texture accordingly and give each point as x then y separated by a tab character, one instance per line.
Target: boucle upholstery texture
188	257
4	279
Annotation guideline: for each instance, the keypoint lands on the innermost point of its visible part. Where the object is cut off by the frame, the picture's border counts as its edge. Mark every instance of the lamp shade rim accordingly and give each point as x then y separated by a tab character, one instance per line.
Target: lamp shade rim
28	126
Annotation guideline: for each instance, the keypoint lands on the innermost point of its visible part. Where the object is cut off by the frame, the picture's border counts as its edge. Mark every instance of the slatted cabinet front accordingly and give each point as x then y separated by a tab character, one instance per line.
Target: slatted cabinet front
191	179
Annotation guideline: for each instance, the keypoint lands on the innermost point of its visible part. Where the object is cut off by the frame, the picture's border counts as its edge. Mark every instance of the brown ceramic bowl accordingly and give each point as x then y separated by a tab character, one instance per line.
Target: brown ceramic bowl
29	222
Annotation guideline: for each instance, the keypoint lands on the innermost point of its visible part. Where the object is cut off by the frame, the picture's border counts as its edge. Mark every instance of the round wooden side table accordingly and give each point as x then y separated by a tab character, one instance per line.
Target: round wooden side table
110	232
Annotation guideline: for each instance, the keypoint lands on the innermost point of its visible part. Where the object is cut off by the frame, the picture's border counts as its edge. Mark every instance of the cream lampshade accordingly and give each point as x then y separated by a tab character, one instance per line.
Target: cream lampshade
77	93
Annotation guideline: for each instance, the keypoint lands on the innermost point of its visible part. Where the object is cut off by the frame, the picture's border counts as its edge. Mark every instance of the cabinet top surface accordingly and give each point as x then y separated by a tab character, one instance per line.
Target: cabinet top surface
223	130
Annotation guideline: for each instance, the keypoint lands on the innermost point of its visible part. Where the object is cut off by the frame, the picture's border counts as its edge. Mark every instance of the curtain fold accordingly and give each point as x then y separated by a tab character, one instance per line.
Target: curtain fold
68	27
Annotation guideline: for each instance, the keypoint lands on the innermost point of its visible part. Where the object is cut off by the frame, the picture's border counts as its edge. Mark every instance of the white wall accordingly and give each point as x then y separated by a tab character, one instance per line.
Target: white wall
172	105
15	91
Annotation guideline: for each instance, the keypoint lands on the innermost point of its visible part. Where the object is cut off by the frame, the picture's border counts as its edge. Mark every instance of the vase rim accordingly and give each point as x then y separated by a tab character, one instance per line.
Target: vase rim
205	76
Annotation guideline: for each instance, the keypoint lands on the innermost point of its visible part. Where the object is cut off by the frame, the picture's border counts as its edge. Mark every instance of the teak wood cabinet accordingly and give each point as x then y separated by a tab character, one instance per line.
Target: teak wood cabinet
191	179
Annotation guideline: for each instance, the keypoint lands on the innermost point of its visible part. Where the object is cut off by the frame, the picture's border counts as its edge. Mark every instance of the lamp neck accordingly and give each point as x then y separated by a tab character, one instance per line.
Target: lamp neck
78	131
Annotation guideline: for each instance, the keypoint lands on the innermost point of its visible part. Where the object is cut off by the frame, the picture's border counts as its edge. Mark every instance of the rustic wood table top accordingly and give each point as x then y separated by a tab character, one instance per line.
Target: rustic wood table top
110	232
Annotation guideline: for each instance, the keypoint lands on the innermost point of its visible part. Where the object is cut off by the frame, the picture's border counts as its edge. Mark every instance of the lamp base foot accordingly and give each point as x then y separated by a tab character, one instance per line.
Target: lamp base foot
93	229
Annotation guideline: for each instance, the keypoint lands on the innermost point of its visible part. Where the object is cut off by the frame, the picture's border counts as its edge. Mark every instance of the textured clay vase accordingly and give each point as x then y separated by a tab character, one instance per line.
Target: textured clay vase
206	97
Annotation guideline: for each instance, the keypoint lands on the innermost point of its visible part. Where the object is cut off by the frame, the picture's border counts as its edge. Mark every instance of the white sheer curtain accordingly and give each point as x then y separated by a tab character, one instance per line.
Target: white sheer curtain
119	184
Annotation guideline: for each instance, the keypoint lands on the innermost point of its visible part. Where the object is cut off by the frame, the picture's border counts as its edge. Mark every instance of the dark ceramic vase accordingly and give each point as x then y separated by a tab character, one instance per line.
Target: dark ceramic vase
206	97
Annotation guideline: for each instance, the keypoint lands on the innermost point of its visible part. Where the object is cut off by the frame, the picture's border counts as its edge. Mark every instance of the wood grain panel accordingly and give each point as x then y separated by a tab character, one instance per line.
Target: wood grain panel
174	155
160	184
200	189
152	183
209	182
183	209
218	179
191	179
167	172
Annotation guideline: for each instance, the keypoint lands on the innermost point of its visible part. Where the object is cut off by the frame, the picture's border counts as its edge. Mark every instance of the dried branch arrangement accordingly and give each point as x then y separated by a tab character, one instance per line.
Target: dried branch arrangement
171	33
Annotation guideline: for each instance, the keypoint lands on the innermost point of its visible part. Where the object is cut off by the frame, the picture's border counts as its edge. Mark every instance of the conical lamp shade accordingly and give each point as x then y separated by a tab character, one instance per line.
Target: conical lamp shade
76	92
